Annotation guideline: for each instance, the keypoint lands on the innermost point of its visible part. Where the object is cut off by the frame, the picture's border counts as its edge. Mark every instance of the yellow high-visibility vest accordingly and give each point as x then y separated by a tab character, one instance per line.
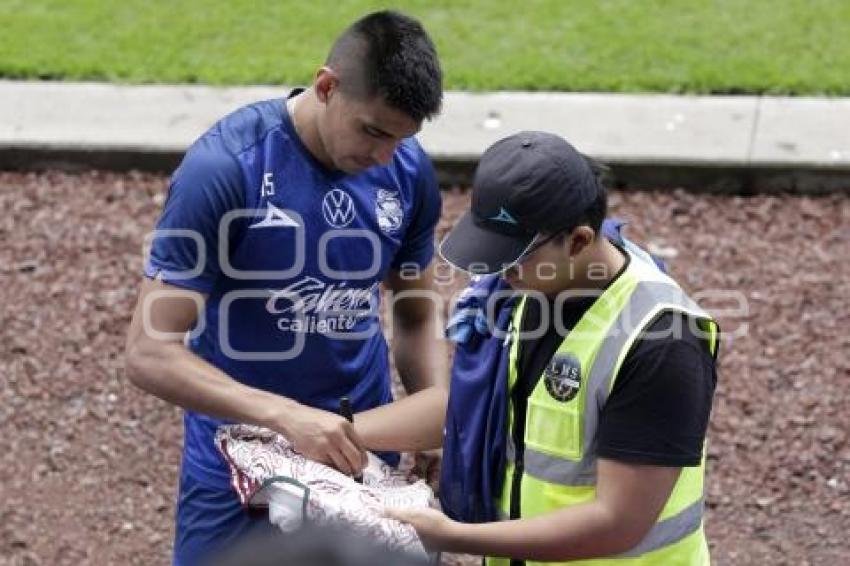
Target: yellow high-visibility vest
559	459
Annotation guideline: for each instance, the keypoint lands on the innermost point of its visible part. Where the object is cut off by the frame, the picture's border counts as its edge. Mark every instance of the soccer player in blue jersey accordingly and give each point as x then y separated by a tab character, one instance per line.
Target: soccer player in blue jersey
260	298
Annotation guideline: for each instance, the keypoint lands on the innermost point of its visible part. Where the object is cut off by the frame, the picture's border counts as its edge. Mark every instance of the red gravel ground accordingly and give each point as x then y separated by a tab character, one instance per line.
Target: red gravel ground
89	464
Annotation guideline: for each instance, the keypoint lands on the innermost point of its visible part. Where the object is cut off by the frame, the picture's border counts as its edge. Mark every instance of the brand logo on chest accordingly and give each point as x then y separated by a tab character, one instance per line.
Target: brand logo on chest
338	208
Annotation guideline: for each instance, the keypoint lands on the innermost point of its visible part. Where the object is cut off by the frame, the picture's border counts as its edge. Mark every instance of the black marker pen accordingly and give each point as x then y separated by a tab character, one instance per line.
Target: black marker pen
346	413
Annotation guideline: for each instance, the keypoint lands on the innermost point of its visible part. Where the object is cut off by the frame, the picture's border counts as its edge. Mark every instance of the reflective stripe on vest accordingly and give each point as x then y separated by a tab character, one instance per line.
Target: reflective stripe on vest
670	530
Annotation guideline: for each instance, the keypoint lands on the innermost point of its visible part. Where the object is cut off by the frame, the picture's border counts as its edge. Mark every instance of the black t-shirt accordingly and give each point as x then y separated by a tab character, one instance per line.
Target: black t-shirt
657	412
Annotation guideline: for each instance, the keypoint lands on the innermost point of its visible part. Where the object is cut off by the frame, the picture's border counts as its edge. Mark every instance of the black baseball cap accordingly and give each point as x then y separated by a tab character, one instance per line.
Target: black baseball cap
526	184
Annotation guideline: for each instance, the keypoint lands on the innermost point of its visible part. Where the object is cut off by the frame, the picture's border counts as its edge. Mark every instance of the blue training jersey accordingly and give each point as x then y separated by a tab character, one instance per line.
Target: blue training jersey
291	256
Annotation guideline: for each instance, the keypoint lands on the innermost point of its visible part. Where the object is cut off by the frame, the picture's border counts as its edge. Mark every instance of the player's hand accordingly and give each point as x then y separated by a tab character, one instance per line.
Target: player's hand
435	530
325	437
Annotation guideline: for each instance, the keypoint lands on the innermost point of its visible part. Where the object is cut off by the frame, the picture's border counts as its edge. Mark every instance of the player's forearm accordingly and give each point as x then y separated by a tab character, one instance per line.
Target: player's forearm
173	373
580	532
411	424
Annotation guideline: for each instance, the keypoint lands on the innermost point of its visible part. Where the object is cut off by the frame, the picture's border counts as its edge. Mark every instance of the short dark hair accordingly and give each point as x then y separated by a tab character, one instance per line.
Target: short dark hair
389	54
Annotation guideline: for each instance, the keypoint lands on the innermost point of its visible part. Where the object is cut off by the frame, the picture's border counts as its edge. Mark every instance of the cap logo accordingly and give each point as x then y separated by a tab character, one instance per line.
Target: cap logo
504	216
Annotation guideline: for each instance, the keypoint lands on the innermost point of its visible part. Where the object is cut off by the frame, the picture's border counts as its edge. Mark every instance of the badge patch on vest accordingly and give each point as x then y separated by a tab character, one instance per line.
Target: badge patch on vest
563	377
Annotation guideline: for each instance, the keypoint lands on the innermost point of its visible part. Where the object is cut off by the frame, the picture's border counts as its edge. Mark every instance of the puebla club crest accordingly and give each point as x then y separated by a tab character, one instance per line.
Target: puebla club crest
388	210
563	377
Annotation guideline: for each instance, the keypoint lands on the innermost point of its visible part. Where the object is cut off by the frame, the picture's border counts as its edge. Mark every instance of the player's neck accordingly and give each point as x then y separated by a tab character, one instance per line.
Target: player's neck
302	112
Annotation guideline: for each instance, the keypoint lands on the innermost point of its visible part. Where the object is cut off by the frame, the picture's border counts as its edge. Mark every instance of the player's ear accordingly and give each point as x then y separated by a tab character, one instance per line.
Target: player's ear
325	83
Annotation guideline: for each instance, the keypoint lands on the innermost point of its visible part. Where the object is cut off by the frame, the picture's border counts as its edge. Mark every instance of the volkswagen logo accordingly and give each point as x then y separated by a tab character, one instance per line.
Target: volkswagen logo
338	208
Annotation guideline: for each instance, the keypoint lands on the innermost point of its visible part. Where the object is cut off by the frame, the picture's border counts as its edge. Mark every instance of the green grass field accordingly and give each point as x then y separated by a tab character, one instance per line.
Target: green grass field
702	46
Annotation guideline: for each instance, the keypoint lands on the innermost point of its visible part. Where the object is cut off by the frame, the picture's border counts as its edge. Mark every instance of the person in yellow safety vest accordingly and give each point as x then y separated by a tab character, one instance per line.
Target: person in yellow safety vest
611	376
